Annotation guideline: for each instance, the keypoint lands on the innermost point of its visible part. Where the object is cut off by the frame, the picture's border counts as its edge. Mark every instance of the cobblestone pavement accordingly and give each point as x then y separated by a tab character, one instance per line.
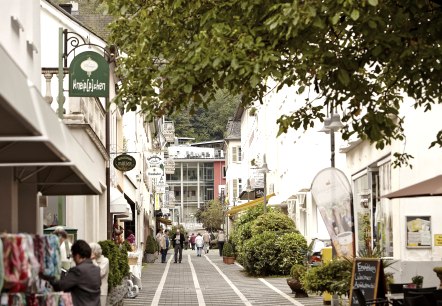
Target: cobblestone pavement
208	281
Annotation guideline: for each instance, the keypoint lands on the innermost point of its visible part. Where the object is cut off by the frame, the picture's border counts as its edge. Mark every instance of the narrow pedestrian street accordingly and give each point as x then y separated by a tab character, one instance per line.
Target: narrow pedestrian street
207	280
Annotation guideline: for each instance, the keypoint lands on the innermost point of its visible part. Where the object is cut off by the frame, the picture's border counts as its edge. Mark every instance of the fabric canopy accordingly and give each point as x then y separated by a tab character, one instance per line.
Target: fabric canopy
165	221
430	187
35	141
236	209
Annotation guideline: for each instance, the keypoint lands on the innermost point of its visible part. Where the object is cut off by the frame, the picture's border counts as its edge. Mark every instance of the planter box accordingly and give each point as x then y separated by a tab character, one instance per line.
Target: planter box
228	260
150	258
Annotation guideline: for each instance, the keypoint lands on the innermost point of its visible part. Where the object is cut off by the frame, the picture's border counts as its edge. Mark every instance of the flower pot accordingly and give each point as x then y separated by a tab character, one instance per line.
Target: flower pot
228	260
150	258
297	288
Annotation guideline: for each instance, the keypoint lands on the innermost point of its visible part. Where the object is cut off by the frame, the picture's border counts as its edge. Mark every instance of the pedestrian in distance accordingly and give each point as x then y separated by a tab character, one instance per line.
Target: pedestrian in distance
166	246
83	280
158	237
221	240
178	244
102	262
65	249
206	239
192	241
199	243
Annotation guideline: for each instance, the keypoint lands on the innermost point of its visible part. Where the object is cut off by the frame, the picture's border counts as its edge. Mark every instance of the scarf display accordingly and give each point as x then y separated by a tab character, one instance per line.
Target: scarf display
22	258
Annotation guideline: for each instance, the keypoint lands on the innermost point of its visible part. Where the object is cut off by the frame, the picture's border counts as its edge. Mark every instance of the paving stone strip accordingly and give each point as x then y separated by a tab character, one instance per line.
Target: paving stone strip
212	283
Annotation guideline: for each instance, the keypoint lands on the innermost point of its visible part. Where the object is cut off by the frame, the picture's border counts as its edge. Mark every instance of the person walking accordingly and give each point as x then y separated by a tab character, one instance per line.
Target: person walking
166	245
199	243
221	239
206	239
102	262
192	241
178	244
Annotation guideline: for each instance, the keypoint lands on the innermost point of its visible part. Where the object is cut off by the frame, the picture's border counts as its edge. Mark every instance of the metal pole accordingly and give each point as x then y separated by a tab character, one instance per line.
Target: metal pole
265	191
332	148
108	185
60	98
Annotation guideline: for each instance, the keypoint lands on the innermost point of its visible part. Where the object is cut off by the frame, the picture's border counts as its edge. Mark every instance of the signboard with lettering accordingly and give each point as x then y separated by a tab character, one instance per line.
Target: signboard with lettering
368	275
437	239
169	166
418	231
89	75
169	131
156	166
124	162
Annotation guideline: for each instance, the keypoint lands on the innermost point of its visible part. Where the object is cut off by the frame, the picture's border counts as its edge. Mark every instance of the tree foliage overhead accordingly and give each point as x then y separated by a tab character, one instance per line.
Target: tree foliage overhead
358	56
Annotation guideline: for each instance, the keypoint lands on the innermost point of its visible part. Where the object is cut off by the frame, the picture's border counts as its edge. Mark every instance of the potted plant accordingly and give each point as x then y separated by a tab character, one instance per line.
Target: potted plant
417	280
151	249
438	271
228	253
296	273
333	277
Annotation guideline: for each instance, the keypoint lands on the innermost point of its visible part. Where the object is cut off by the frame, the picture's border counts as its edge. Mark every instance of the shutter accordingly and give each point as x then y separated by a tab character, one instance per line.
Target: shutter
235	188
234	154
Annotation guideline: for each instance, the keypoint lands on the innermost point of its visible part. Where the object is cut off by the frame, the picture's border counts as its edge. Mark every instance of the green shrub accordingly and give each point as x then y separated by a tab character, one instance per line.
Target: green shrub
228	250
273	221
270	253
118	262
292	248
242	230
334	277
297	271
151	245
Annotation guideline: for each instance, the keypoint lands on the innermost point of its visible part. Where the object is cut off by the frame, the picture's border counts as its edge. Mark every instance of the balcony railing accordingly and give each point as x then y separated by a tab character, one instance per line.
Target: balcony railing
78	111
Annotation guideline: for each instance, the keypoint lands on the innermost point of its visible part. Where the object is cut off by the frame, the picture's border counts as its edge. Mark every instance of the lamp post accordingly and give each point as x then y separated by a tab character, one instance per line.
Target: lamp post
249	190
265	169
331	125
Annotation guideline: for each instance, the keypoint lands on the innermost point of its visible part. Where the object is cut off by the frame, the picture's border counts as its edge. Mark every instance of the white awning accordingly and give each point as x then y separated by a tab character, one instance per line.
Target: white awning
36	142
119	205
279	199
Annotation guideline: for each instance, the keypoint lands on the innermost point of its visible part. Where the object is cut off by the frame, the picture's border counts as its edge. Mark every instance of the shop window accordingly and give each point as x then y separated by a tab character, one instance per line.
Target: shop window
373	215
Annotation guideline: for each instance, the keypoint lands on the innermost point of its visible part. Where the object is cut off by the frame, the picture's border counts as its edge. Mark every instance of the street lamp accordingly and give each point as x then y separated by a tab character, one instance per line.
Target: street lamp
331	125
265	169
249	190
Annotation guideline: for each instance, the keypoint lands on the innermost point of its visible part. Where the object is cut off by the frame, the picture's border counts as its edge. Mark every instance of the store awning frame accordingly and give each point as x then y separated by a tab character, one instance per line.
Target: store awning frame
236	209
164	221
35	141
426	188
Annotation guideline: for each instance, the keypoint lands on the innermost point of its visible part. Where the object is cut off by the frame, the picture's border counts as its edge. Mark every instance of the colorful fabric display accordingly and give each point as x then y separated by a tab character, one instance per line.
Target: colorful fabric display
52	258
16	266
1	266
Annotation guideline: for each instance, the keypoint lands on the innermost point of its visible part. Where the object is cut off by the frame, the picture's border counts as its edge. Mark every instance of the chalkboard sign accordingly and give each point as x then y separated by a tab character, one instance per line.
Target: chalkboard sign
368	275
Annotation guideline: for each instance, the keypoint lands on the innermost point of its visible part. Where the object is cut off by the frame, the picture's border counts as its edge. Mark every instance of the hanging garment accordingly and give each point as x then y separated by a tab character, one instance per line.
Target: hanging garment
33	264
16	266
39	242
52	262
1	265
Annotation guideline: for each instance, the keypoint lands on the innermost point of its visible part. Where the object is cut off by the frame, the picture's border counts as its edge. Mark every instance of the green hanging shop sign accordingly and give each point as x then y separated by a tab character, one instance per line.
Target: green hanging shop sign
89	75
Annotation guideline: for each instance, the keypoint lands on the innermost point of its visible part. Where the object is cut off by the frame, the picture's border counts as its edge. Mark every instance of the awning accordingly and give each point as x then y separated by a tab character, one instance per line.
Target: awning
236	209
279	199
36	142
427	188
119	205
164	221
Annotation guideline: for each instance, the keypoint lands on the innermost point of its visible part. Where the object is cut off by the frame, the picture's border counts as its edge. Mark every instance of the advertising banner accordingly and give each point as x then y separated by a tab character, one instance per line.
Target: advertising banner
331	192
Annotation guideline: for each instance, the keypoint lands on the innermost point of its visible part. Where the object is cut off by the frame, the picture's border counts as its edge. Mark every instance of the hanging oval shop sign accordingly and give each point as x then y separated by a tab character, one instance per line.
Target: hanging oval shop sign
124	162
